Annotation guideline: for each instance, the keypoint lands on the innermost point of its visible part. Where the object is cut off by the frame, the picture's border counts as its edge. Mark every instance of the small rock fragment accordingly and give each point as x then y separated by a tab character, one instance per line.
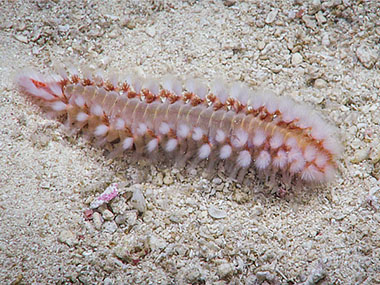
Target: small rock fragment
309	22
367	56
320	83
316	275
360	155
107	215
168	179
110	227
21	38
271	16
156	242
225	269
320	18
138	200
217	213
151	31
98	221
296	59
229	3
68	238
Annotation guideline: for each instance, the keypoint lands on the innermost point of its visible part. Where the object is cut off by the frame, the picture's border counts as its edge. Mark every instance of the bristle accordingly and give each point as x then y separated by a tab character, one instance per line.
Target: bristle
197	134
58	106
204	151
239	139
171	145
263	160
164	128
225	151
244	159
197	87
172	84
141	129
152	145
79	101
280	160
97	110
310	153
101	130
220	136
259	138
276	140
183	131
127	143
82	117
219	89
152	85
119	124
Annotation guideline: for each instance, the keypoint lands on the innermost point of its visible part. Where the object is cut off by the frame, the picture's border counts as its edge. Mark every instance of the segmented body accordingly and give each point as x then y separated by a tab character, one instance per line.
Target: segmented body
272	133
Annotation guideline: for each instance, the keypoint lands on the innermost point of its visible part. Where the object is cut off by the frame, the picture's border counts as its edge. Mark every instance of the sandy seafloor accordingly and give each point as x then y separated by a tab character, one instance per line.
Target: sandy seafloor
324	54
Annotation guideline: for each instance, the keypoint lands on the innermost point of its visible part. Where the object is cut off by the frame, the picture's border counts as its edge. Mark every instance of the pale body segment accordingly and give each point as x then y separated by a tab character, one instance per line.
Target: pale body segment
260	129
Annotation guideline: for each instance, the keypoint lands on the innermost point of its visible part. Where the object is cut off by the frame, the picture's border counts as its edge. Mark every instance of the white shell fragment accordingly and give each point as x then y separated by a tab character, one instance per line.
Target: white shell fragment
217	213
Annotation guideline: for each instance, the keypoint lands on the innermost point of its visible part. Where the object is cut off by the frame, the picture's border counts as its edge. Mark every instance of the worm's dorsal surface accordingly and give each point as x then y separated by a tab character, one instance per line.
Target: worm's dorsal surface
249	128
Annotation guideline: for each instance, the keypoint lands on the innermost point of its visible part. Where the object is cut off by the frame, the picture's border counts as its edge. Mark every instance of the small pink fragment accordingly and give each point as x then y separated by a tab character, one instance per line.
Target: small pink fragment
110	193
88	214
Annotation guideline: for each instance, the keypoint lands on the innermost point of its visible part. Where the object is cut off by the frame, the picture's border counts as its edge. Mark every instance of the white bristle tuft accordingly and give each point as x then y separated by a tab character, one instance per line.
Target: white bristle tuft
172	84
82	117
183	131
310	153
291	142
152	145
79	101
281	159
220	90
197	87
256	100
97	110
135	82
225	151
294	154
285	104
276	140
244	159
101	130
164	128
311	173
26	83
197	134
259	138
60	69
263	160
239	139
220	136
321	160
332	146
98	77
56	89
114	79
240	92
204	151
171	145
87	73
58	106
297	165
127	143
152	85
142	129
119	124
